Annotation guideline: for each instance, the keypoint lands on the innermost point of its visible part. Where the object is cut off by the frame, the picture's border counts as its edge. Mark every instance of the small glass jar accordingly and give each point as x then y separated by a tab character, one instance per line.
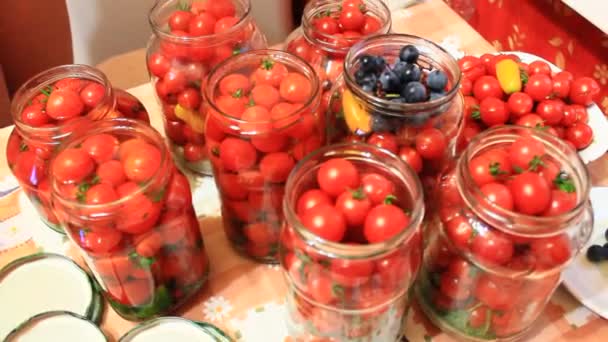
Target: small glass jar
326	52
190	38
487	271
423	134
256	138
36	134
346	291
139	236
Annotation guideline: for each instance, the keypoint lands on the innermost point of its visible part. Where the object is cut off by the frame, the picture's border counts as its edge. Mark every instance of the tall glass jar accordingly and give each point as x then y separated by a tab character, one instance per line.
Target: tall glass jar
135	225
47	109
351	290
489	270
255	139
323	41
422	134
190	38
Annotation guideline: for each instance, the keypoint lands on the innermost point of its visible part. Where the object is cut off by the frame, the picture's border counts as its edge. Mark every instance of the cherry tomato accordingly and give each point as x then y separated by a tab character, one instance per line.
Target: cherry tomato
235	85
580	135
224	24
377	187
539	67
477	317
523	151
384	222
462	270
498	194
351	18
493	111
230	105
72	166
219	8
552	111
480	170
466	87
460	231
178	194
189	98
180	20
472	67
411	157
158	64
64	104
270	72
325	221
453	287
143	165
310	199
265	95
531	193
261	233
492	247
386	141
574	113
355	206
539	87
194	152
493	293
351	273
551	252
582	91
520	104
175	81
270	142
561	202
202	25
275	167
100	241
101	147
337	175
237	154
325	25
100	194
561	85
486	86
34	115
138	214
531	120
431	143
295	88
371	25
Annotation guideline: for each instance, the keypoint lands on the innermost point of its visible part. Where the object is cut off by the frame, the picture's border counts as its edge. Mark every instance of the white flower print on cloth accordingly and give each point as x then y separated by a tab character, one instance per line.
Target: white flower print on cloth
452	45
216	308
265	323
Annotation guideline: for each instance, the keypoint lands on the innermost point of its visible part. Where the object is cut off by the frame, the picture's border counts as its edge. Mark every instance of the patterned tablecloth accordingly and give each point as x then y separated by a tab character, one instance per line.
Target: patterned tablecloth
244	298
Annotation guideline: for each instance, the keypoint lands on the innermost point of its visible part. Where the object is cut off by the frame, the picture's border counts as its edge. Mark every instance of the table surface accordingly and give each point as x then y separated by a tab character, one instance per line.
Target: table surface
226	301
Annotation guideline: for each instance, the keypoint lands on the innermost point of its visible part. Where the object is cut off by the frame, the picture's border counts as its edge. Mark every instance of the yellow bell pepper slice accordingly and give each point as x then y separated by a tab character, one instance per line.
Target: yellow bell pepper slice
508	75
192	118
356	116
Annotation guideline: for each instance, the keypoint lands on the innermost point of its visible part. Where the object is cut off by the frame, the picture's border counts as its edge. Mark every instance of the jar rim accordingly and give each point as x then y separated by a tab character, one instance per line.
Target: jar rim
315	8
245	59
157	27
400	39
511	221
341	250
47	77
106	126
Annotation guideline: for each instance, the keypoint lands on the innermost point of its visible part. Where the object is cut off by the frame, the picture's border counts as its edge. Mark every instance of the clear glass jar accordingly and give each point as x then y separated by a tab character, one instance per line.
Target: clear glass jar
137	232
36	134
253	148
179	60
488	272
423	134
349	291
326	52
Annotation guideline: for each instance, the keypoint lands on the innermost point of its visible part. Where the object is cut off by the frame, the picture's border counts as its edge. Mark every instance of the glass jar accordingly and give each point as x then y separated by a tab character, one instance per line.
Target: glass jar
422	134
135	227
321	44
255	139
488	271
190	38
37	133
351	291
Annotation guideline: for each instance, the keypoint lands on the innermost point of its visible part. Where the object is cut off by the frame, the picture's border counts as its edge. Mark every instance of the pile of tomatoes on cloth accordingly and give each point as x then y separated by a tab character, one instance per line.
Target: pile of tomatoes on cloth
529	95
130	210
353	205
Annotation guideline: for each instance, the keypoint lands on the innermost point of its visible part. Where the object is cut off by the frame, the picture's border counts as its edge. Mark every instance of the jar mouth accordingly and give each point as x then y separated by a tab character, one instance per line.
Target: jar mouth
131	128
388	46
158	15
367	154
328	42
510	221
46	78
254	58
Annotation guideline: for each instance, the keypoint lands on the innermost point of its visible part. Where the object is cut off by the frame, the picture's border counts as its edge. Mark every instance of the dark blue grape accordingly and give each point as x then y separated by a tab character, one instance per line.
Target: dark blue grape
409	53
380	63
381	123
389	81
411	73
437	80
414	92
597	253
359	75
436	95
368	63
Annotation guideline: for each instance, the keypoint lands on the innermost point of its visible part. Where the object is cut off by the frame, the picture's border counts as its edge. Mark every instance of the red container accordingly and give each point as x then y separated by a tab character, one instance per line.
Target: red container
46	110
190	38
255	139
122	201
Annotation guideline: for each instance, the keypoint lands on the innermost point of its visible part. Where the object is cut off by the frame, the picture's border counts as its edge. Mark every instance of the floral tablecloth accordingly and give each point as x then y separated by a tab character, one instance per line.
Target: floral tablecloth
244	298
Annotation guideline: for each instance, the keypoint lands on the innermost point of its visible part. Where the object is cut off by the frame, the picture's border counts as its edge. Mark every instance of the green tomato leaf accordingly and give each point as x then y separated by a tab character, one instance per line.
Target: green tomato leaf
563	182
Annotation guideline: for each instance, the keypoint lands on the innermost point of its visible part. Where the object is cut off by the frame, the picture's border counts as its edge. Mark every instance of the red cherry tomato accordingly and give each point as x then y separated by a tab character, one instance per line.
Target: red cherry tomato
580	135
582	91
189	98
460	231
472	67
574	113
498	194
219	8
194	153
531	193
487	86
351	273
539	67
320	287
552	111
101	147
224	24
235	85
143	165
411	157
453	287
561	202
477	317
377	187
492	247
431	143
72	166
493	111
311	199
180	20
34	115
64	104
295	88
355	206
100	194
466	87
158	64
386	141
520	104
111	172
202	25
138	214
384	222
325	221
237	154
493	293
100	241
531	120
275	167
325	25
539	87
337	175
92	94
551	252
270	72
351	18
524	150
371	25
561	85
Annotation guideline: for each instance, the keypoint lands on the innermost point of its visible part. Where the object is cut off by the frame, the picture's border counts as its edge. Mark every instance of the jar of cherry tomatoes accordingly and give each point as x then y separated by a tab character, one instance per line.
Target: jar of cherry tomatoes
122	201
190	38
329	28
255	139
373	102
351	246
512	213
47	109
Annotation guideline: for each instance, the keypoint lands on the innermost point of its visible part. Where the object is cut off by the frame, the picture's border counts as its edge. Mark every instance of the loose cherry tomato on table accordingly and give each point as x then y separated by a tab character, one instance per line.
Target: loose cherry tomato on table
582	91
539	87
472	67
539	67
580	135
520	104
493	111
487	86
